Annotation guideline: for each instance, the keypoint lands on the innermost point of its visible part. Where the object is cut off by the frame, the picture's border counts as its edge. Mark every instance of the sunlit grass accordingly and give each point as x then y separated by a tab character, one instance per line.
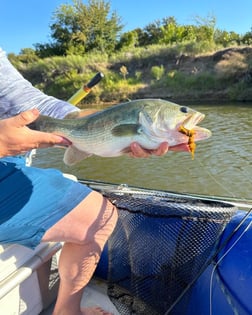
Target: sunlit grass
185	69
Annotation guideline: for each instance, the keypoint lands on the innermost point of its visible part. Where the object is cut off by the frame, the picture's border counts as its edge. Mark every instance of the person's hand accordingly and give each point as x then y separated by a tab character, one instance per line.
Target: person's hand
16	138
138	151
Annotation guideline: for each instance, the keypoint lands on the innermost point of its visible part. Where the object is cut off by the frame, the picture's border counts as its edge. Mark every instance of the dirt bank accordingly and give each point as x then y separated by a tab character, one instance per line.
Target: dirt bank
225	75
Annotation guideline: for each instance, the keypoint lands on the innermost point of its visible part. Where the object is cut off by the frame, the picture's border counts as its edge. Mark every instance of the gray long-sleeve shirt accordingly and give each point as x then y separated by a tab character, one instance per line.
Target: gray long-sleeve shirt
18	94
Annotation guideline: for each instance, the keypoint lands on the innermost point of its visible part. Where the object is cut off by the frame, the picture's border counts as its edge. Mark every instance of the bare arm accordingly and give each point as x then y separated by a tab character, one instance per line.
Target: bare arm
19	95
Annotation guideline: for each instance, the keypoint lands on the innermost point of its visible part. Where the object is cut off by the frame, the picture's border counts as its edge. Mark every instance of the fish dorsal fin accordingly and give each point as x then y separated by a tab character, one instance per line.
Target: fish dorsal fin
74	155
125	130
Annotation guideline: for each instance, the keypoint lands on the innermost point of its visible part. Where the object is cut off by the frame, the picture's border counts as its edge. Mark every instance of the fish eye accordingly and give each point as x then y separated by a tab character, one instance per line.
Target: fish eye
183	109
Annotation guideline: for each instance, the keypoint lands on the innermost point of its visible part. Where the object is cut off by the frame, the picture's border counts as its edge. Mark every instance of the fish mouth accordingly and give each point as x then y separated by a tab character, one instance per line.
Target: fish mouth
201	133
190	129
191	121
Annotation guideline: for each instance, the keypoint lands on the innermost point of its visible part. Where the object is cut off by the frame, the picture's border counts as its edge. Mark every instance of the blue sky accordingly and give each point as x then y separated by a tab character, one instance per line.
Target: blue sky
26	22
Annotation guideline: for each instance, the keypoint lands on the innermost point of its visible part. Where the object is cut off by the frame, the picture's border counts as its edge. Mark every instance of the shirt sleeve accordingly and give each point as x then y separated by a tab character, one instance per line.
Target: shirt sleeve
17	94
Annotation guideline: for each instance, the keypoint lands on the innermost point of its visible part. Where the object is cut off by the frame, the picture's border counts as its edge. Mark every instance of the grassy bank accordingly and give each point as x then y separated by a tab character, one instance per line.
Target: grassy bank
155	71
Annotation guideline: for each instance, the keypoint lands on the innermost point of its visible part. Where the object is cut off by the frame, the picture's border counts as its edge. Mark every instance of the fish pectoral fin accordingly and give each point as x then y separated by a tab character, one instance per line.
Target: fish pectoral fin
74	155
125	130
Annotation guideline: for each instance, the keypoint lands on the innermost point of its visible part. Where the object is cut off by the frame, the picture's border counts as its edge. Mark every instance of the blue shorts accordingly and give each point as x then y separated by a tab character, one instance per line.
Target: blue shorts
32	200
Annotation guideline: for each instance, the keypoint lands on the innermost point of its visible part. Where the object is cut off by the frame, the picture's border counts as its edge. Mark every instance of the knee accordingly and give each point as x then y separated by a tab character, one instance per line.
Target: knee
107	220
104	223
93	220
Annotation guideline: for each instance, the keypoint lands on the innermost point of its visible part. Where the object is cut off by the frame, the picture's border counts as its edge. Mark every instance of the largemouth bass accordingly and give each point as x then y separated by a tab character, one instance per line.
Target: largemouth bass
110	132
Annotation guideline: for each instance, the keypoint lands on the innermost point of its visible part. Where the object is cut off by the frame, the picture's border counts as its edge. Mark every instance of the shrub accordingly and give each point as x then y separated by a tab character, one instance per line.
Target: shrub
157	72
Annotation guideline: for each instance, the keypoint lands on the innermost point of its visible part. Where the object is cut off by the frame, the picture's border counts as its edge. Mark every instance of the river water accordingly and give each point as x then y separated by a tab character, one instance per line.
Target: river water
222	164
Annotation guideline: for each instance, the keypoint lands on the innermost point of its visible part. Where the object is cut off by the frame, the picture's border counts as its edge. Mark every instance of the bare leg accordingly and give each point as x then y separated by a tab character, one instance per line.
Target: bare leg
84	230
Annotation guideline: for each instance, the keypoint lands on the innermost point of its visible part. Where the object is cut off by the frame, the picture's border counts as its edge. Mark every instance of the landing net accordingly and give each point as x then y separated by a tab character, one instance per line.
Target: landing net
158	247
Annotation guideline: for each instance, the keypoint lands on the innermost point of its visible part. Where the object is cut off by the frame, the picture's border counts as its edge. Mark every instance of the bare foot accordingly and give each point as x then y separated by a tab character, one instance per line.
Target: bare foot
94	311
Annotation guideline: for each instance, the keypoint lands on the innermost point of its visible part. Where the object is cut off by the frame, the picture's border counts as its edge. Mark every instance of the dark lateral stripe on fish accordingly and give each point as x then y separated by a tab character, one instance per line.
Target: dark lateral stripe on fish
126	130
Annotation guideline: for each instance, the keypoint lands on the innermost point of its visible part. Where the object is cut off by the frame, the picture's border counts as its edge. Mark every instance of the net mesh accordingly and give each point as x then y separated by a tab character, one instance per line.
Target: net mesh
159	246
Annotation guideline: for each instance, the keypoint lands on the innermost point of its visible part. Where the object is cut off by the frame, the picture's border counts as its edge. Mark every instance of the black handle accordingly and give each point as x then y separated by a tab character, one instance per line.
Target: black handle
96	79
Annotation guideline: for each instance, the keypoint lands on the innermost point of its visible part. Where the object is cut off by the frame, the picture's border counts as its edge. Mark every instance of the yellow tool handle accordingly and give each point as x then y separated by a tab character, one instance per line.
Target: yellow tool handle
85	89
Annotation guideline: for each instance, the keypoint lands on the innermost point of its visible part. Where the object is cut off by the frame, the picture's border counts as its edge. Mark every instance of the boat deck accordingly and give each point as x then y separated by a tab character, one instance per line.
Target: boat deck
95	295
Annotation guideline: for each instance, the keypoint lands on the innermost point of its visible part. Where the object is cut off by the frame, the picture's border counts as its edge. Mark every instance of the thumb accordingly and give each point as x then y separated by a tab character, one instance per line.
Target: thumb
25	118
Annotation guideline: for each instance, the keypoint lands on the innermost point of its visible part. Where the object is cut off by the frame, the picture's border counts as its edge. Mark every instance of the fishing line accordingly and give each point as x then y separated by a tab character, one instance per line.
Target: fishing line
225	254
242	199
247	176
211	260
217	182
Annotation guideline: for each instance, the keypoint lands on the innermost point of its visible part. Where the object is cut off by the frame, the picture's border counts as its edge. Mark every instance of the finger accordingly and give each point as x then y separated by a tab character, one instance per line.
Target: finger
44	140
180	147
25	118
138	151
54	140
162	149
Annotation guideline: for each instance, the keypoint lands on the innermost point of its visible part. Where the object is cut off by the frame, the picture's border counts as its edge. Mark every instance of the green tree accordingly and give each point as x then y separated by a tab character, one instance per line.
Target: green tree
225	38
99	30
169	31
26	56
190	32
49	49
205	28
80	28
150	34
128	39
247	38
142	37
